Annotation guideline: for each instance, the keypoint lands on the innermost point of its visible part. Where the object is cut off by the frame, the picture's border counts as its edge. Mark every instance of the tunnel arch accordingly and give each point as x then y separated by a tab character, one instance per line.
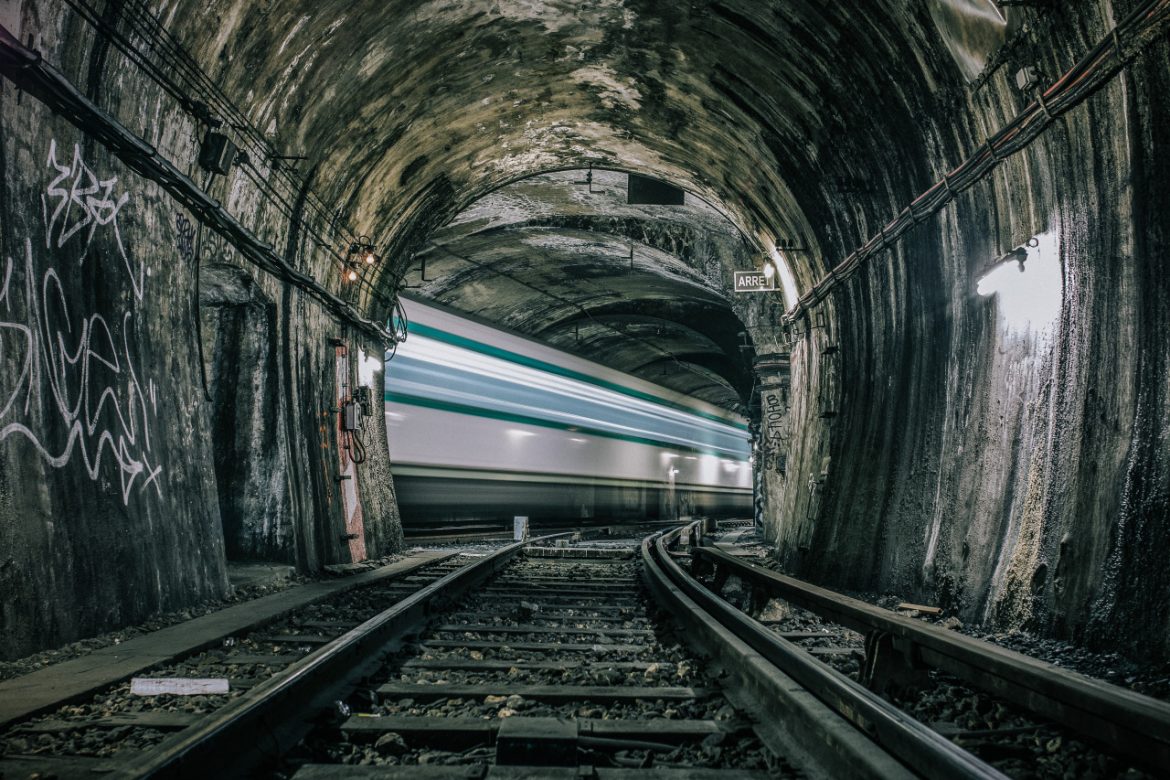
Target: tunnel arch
678	271
808	122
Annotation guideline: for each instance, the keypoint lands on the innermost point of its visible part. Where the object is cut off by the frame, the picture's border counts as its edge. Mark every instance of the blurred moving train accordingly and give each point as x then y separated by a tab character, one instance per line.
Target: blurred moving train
485	425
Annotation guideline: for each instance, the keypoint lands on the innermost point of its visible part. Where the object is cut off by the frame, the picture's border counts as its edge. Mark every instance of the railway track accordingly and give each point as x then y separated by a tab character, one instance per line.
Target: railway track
1025	716
83	733
559	663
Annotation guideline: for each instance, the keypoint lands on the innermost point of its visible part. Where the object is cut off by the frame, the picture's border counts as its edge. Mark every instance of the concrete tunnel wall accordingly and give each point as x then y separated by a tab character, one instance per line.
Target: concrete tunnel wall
110	453
1020	479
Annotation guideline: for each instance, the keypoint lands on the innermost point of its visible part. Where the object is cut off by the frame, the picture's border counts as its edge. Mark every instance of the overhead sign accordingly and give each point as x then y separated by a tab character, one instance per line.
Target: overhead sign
652	192
753	281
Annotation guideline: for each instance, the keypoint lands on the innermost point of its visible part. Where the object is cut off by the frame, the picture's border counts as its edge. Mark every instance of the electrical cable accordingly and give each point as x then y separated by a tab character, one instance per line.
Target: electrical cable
399	326
351	440
172	68
28	70
196	294
1088	74
145	25
161	40
1144	25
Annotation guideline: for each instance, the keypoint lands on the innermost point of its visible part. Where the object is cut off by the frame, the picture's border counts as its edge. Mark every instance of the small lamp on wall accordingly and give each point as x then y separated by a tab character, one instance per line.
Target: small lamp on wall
361	255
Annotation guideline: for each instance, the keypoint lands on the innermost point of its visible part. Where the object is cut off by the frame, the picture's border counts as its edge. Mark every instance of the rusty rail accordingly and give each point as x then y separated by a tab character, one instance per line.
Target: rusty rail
897	736
1127	722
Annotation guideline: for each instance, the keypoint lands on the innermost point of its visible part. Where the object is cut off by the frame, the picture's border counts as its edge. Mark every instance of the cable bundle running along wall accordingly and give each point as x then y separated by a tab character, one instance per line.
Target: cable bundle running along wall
1146	24
27	70
167	63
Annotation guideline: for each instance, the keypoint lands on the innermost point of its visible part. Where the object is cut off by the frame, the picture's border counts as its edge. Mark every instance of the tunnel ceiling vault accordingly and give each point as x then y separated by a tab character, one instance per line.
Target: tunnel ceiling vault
408	112
435	128
563	257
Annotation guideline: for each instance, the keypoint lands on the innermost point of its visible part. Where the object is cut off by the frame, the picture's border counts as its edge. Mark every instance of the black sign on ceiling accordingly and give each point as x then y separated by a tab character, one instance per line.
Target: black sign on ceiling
645	191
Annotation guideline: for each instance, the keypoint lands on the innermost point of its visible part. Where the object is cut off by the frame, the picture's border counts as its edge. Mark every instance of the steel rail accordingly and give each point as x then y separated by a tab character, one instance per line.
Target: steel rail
219	746
923	750
1128	722
26	69
794	721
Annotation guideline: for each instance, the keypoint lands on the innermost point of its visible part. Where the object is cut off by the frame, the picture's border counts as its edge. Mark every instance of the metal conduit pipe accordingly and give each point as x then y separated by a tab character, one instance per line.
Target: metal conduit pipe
27	70
1146	24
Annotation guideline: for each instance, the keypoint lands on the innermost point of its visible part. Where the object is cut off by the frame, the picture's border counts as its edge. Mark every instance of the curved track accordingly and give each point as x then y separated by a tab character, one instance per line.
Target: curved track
562	662
900	650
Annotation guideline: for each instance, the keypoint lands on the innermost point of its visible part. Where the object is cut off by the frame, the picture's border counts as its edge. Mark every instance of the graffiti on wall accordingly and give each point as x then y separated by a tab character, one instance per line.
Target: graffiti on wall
775	425
184	237
73	393
82	202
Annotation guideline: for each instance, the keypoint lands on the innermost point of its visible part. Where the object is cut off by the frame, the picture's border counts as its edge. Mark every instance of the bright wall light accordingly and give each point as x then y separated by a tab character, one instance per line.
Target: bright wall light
368	367
1029	300
787	280
516	433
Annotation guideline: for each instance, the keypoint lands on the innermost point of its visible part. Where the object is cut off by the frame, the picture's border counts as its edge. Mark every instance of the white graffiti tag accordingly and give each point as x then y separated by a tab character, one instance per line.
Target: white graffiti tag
776	425
71	389
82	200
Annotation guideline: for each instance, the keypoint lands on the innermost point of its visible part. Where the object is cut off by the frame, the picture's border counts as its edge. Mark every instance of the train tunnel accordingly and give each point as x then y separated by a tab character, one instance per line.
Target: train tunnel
946	342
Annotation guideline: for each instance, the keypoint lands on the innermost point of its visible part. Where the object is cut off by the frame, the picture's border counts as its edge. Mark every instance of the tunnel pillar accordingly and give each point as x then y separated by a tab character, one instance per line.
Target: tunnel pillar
773	378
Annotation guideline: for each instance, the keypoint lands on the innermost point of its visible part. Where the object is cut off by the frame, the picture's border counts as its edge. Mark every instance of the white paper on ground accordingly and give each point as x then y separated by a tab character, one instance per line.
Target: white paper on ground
180	686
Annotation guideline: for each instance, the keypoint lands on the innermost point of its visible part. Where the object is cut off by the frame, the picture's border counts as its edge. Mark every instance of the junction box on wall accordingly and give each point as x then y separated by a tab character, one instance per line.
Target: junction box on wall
351	416
364	396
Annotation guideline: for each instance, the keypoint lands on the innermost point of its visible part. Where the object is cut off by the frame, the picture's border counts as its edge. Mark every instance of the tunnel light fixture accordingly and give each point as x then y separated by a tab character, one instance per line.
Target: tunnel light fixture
362	254
787	280
1027	283
1019	256
769	268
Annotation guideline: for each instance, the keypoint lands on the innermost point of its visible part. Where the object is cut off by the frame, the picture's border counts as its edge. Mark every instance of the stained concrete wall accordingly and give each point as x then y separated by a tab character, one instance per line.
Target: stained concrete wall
114	465
1017	476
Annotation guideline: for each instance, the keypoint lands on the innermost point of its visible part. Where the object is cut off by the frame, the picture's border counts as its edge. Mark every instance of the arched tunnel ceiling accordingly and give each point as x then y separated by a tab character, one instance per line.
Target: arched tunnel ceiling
408	113
563	257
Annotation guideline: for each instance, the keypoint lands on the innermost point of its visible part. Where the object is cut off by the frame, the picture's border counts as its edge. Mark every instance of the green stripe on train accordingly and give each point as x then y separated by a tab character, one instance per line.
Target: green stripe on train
523	360
488	475
492	414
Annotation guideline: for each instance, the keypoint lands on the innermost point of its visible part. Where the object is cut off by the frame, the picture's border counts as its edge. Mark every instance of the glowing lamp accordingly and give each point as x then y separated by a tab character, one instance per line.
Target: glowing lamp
362	252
